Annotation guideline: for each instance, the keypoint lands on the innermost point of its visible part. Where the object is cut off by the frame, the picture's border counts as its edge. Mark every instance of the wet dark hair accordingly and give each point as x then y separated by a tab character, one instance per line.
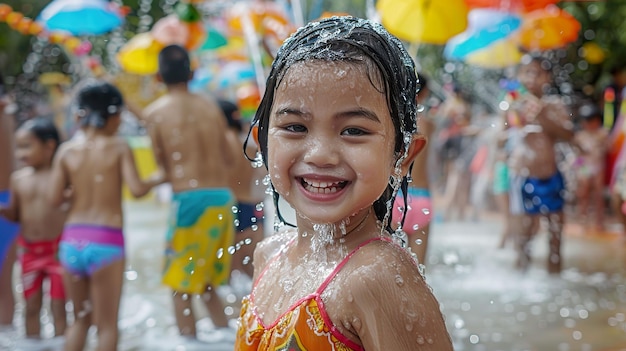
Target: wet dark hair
97	102
360	42
174	64
229	108
43	129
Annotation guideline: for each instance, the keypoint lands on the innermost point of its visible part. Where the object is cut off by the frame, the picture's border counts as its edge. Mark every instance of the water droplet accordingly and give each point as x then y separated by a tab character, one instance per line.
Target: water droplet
220	216
231	250
399	280
234	209
187	311
259	206
220	252
193	183
176	156
254	227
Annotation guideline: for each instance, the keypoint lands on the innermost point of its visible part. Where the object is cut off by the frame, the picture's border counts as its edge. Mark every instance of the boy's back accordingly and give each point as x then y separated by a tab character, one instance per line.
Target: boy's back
188	135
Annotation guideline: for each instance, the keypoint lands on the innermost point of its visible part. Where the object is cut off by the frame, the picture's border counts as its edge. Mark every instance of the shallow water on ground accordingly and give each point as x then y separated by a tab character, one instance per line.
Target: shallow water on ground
488	305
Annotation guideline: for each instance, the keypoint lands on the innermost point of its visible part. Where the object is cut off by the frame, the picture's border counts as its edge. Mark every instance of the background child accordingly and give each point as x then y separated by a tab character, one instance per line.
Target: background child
41	224
247	185
92	243
189	143
537	186
8	230
338	155
591	142
419	204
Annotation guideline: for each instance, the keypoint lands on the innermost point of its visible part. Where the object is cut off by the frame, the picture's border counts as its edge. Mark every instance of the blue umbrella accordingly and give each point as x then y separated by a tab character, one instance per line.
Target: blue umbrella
81	17
486	27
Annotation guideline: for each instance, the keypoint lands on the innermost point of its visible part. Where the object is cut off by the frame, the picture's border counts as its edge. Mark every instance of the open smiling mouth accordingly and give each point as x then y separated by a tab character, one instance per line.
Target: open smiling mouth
321	187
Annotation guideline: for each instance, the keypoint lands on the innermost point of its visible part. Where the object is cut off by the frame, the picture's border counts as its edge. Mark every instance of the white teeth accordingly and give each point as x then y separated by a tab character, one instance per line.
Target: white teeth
319	184
317	187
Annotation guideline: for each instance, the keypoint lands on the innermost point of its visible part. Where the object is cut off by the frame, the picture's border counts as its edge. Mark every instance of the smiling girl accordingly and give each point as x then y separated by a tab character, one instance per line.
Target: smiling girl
337	132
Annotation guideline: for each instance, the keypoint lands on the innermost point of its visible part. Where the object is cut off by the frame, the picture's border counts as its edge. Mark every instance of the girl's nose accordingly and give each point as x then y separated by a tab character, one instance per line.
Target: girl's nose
321	152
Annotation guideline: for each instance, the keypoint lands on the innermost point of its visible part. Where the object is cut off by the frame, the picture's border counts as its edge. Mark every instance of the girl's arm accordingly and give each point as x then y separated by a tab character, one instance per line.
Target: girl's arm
130	175
59	179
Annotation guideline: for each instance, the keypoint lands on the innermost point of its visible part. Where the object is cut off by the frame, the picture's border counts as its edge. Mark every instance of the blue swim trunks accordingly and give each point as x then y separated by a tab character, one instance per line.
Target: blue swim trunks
8	230
86	248
248	214
542	196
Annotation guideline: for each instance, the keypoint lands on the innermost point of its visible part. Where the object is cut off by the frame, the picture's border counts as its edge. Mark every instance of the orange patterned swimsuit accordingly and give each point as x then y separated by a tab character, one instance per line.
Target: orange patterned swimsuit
305	326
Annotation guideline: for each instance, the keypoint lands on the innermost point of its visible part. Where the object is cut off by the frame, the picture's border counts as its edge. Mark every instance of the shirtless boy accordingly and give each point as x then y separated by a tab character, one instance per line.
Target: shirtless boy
189	143
41	224
537	186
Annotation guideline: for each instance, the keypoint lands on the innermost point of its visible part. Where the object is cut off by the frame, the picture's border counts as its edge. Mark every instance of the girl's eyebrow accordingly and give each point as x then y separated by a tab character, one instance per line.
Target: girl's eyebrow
358	112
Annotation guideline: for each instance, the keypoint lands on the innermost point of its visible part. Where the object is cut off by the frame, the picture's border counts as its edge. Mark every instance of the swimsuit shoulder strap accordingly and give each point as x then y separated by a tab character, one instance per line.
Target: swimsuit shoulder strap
271	260
344	261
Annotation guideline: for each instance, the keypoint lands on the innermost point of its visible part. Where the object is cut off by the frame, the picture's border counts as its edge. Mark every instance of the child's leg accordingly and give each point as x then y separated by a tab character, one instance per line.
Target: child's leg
503	204
7	299
582	198
216	307
77	289
598	200
555	229
32	313
57	302
59	315
527	226
183	312
106	292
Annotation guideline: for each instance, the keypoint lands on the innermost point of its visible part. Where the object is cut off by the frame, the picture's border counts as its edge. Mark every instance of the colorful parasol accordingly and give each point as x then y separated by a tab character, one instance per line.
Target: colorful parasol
423	21
547	29
485	27
517	6
140	55
81	17
501	54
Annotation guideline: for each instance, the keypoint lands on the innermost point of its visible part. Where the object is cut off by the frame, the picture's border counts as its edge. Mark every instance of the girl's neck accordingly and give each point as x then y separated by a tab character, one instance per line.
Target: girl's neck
359	227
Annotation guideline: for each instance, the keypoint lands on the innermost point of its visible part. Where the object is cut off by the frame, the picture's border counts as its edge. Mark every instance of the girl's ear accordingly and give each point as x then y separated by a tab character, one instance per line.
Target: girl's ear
417	145
255	135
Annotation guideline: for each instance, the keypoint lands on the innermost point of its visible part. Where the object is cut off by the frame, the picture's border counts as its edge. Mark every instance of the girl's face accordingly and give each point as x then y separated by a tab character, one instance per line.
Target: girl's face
330	140
29	150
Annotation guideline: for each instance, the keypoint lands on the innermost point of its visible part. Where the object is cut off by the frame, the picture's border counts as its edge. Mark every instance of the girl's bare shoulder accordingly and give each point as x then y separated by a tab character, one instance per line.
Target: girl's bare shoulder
271	245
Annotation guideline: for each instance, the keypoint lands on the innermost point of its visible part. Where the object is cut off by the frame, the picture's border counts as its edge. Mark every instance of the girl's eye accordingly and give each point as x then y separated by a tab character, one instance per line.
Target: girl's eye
353	132
296	128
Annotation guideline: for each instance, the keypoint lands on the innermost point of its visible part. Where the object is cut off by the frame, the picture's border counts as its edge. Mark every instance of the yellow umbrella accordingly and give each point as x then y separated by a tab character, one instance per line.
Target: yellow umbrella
140	55
501	54
423	21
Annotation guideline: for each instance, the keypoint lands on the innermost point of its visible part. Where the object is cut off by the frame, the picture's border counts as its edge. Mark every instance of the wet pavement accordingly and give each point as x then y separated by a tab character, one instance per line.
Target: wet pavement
488	305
